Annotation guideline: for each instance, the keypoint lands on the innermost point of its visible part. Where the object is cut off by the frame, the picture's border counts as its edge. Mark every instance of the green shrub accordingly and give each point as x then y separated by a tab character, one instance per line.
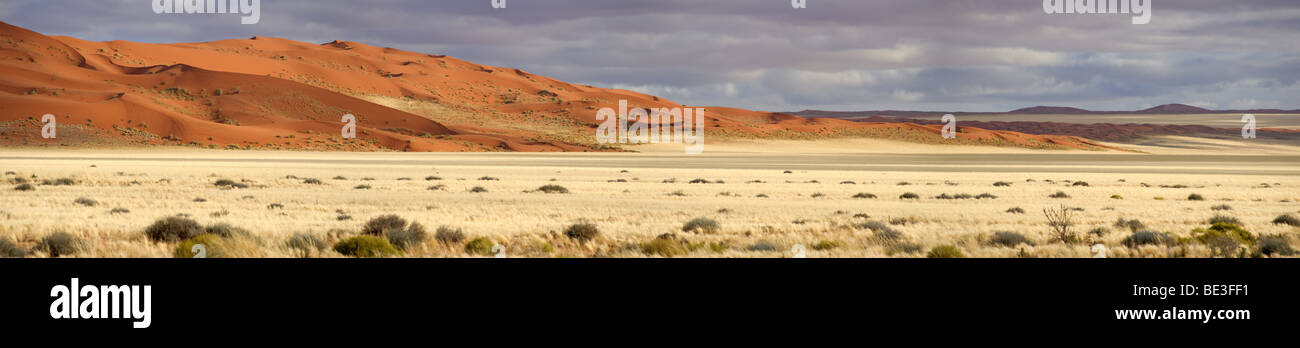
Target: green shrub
479	246
10	249
701	225
61	244
1008	239
306	244
1286	219
405	239
666	247
173	229
449	235
551	188
366	246
582	232
212	247
1223	230
945	252
1116	197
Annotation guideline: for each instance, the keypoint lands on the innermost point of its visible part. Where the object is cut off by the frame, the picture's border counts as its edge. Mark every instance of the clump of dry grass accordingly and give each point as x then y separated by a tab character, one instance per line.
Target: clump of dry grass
946	251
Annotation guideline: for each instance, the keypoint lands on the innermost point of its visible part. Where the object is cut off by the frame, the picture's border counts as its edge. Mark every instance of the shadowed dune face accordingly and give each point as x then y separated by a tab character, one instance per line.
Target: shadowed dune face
269	93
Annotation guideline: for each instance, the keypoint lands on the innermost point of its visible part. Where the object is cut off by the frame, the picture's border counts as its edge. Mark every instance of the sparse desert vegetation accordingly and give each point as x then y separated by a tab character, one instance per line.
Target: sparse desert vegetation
256	209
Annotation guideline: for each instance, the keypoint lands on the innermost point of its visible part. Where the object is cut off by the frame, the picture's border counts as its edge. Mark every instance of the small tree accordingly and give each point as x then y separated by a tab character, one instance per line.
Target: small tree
1060	220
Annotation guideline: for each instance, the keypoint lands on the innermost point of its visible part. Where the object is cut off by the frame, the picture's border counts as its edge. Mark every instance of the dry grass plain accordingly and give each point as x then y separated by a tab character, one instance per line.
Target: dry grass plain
765	204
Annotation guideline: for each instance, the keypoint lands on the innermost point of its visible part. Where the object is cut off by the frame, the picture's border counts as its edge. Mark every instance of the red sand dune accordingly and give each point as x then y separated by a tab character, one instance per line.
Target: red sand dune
270	93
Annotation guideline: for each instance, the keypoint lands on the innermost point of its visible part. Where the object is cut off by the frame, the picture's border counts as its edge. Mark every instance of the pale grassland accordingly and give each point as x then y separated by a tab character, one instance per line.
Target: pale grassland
156	184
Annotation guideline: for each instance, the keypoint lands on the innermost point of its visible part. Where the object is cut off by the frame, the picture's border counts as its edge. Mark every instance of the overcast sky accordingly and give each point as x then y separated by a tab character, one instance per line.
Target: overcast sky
762	54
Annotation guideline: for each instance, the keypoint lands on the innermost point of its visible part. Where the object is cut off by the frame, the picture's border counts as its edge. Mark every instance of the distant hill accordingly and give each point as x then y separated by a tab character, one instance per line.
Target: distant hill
1175	109
1040	110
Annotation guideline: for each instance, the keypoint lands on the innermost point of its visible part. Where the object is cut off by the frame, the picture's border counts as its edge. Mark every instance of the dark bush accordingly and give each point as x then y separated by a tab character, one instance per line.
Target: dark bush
1015	210
86	202
864	195
909	195
10	249
582	232
1140	238
763	245
488	178
1287	219
449	235
226	231
229	184
1059	194
404	239
701	225
1224	219
1275	246
1008	239
1002	184
478	189
24	187
61	244
1080	183
986	195
312	181
366	246
381	225
1132	225
173	229
553	189
1195	197
1221	207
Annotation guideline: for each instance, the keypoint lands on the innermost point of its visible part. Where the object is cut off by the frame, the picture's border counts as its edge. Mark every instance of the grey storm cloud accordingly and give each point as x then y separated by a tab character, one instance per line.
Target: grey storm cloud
763	54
